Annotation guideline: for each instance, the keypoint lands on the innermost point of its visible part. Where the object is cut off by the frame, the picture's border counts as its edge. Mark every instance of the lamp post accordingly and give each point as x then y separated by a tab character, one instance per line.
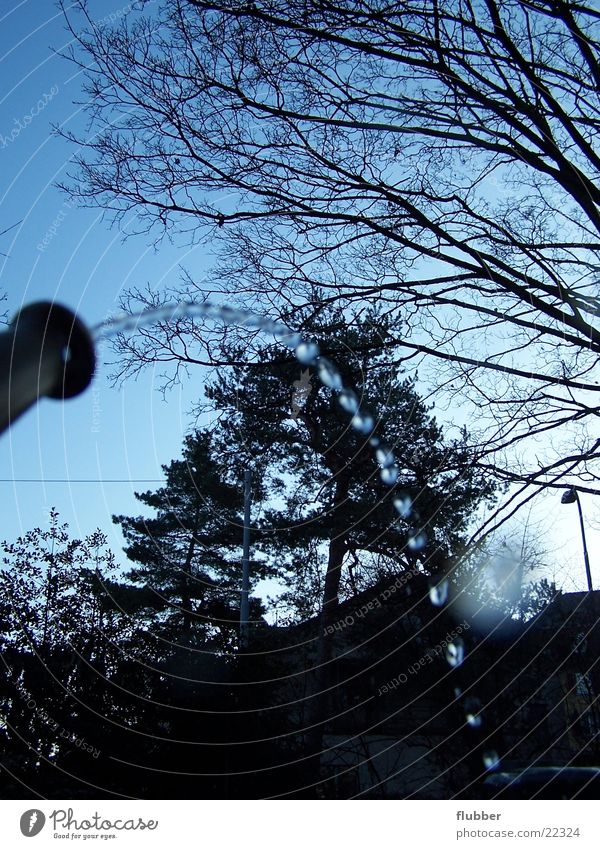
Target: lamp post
245	605
571	496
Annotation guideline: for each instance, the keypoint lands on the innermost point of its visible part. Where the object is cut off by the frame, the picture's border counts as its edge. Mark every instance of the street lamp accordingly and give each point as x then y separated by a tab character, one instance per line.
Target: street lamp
245	605
571	496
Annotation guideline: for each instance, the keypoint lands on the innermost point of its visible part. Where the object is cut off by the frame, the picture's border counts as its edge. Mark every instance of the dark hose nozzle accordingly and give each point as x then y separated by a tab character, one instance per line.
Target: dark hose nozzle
46	351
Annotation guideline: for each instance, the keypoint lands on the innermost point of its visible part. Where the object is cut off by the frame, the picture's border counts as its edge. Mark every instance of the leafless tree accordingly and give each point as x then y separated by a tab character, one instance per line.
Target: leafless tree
439	157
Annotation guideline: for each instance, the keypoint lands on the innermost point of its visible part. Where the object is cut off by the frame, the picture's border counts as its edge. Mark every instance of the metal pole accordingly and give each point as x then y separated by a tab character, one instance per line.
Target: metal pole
245	605
585	551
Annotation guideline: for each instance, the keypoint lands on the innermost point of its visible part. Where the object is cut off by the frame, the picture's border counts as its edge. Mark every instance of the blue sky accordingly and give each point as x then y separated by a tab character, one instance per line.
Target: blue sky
65	253
68	254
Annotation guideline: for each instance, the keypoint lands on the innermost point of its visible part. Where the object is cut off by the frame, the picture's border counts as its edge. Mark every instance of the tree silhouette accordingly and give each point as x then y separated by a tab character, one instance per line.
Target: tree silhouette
189	555
62	638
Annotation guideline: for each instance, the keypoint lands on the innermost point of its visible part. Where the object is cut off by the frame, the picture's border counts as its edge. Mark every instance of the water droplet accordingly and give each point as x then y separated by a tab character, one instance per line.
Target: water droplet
438	593
403	505
179	311
289	339
307	353
389	475
202	308
129	325
385	456
348	401
269	325
363	422
253	321
455	652
230	315
206	308
374	441
417	541
329	375
491	759
473	713
457	692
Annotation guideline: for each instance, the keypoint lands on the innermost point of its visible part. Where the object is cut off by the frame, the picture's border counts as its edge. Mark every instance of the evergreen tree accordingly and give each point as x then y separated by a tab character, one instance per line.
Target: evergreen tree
329	522
188	555
332	524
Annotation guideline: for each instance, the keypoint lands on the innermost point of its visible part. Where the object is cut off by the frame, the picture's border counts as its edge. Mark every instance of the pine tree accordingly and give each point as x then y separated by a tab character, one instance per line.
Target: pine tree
331	524
188	555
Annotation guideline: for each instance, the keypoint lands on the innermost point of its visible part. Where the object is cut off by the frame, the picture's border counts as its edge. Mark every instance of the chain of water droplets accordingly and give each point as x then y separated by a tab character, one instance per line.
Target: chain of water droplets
308	354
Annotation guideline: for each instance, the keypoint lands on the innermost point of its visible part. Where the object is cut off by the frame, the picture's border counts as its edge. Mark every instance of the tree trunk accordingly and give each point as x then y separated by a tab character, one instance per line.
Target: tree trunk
320	679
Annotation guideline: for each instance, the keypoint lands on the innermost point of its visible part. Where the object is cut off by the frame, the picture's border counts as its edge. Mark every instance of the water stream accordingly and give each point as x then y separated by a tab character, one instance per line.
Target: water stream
361	419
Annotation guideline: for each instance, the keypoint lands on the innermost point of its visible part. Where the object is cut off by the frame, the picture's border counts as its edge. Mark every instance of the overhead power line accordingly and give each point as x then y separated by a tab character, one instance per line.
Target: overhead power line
82	480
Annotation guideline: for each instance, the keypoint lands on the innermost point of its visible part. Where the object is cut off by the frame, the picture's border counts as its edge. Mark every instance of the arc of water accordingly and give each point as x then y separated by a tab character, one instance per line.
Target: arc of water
307	353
